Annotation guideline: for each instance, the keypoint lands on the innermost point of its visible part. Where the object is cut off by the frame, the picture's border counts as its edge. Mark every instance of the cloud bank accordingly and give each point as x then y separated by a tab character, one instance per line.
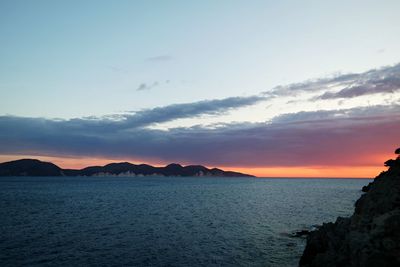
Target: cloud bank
342	138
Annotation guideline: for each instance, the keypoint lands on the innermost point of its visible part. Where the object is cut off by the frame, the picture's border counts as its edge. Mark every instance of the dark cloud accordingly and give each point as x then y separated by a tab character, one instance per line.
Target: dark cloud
313	139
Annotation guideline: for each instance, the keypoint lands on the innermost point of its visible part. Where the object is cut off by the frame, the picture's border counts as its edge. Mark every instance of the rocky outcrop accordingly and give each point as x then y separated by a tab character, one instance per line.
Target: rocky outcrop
33	167
370	237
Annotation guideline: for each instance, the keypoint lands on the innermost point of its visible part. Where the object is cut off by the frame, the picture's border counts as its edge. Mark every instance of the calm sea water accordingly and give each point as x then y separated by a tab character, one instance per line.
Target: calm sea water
162	221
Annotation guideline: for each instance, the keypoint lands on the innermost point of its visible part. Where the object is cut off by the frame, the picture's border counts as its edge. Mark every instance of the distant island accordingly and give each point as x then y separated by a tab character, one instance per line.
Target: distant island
34	167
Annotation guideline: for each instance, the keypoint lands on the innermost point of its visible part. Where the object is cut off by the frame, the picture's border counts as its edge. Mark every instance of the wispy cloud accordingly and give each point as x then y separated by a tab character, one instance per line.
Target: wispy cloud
325	115
145	86
160	58
382	80
149	86
189	110
117	69
385	84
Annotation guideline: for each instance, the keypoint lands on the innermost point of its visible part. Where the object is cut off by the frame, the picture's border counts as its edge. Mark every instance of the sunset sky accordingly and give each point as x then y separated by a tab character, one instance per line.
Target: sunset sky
271	88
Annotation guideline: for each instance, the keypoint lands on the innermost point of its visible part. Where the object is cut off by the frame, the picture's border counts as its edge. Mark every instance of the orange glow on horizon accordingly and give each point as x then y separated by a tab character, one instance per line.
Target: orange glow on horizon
313	172
357	171
278	171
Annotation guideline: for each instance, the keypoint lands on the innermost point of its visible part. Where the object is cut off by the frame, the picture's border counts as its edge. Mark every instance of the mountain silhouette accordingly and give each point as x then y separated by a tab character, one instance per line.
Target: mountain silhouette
34	167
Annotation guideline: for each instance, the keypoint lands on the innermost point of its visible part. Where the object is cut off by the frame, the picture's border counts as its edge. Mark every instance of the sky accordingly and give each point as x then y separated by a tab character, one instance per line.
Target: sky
271	88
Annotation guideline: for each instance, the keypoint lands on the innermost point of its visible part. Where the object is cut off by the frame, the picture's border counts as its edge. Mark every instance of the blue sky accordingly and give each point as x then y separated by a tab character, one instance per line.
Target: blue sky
95	54
164	81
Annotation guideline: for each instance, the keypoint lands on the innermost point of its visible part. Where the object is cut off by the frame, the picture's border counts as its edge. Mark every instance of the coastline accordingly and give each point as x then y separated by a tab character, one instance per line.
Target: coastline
370	237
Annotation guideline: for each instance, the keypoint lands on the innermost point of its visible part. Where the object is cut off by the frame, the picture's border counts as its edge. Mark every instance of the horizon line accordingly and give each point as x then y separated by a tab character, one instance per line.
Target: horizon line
265	172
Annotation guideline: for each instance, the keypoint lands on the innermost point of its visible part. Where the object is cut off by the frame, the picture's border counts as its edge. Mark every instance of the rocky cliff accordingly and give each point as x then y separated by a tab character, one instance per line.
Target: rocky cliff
371	236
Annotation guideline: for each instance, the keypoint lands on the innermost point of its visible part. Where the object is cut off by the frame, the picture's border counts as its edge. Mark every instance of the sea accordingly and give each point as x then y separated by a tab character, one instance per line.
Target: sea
165	221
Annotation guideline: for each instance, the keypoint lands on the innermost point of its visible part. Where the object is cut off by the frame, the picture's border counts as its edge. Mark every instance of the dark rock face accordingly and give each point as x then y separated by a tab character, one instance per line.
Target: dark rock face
366	188
301	233
33	167
370	237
